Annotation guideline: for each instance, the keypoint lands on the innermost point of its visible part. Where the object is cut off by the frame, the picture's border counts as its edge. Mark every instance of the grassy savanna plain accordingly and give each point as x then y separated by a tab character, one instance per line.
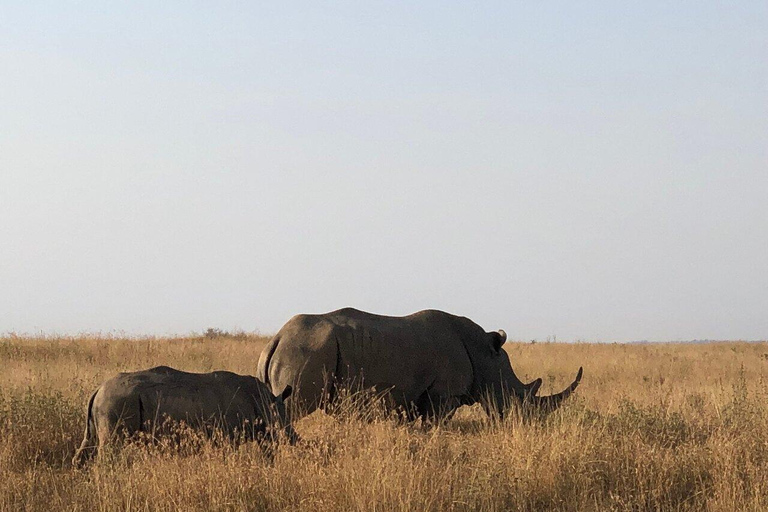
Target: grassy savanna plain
652	427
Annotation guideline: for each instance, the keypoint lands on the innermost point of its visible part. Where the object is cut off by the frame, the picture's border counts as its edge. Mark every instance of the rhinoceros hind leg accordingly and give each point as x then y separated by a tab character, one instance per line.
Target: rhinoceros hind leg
85	453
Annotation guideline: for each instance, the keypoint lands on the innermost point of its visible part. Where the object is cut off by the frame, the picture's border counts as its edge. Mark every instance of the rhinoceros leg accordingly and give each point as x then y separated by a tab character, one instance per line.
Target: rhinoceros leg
89	446
432	407
85	453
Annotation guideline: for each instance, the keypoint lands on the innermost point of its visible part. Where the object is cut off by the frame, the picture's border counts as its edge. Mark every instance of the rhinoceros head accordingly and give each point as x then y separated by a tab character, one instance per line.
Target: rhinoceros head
497	377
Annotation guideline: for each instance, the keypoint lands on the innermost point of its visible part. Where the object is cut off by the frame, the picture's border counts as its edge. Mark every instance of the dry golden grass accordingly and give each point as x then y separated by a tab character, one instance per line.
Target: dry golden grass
653	427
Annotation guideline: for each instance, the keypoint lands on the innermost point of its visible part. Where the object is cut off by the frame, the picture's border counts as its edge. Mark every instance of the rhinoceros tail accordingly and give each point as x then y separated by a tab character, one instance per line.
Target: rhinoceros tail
262	370
89	446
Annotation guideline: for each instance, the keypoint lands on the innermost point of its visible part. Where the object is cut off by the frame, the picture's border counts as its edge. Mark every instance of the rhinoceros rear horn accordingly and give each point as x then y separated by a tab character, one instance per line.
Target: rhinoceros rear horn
533	387
286	393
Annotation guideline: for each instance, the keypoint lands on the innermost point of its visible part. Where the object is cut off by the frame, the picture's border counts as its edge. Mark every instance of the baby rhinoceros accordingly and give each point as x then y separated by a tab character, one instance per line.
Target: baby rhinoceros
145	401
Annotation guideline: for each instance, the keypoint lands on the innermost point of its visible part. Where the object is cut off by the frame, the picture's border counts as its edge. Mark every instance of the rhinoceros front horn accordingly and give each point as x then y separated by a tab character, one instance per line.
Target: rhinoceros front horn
552	402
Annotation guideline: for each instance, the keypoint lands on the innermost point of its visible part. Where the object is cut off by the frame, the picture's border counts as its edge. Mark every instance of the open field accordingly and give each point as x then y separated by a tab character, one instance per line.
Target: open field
652	427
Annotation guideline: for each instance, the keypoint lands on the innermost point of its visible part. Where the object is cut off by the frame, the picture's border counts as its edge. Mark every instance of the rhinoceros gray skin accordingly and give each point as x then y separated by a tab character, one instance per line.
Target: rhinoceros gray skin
431	362
144	401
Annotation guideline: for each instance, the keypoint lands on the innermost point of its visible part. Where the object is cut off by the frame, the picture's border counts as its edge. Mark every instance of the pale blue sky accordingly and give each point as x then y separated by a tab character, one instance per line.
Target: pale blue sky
590	170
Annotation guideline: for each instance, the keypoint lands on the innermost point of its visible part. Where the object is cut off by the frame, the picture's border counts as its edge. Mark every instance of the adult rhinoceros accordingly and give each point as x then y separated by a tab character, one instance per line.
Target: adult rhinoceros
144	401
432	362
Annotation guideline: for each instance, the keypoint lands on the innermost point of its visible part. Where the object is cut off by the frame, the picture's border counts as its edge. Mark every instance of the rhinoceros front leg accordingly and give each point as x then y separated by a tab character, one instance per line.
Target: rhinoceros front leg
433	408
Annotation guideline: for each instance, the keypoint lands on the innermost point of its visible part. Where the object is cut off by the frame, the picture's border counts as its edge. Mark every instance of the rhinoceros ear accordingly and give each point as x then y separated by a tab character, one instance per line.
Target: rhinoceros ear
498	339
286	393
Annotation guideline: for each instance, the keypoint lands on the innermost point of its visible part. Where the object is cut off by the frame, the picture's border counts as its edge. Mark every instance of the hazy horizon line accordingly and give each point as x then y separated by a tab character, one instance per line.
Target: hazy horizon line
118	334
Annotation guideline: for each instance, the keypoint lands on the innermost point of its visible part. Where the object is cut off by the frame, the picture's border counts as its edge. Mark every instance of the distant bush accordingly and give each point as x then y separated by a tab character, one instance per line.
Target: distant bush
213	333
